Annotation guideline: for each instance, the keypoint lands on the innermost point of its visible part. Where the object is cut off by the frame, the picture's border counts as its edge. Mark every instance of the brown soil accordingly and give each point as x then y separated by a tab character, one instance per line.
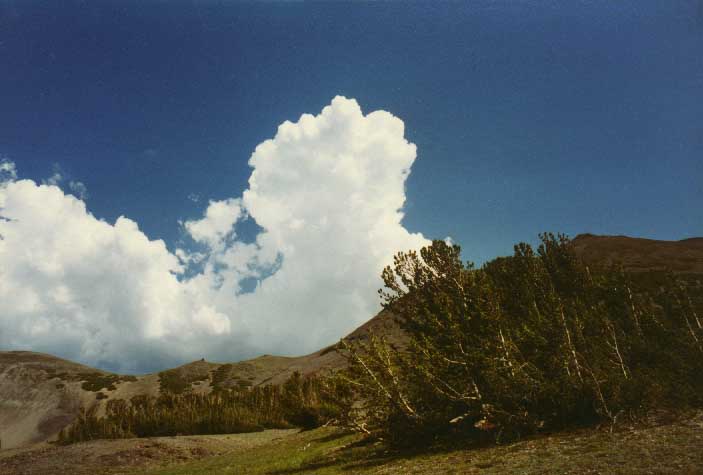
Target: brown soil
126	455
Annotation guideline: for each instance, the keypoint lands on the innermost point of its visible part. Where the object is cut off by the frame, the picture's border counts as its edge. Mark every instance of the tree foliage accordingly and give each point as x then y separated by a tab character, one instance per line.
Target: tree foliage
528	342
299	402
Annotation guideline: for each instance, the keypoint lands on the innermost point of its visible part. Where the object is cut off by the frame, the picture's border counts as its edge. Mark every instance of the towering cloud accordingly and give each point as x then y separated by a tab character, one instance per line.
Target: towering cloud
327	193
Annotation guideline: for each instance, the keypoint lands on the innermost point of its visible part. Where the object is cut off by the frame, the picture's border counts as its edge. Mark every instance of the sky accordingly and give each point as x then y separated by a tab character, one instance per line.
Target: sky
226	179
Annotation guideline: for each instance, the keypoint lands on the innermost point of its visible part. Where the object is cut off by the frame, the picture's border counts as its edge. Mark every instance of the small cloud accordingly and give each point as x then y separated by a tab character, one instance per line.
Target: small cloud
194	197
79	189
8	170
218	222
56	178
449	241
59	176
188	258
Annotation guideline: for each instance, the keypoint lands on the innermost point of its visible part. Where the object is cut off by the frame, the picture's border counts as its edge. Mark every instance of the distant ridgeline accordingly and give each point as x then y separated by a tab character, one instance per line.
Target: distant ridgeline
545	339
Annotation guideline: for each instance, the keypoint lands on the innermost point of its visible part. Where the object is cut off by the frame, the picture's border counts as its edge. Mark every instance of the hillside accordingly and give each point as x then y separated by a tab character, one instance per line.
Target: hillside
642	255
656	447
40	394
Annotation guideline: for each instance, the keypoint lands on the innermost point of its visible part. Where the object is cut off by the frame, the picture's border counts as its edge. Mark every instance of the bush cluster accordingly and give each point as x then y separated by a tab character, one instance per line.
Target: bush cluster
535	341
298	402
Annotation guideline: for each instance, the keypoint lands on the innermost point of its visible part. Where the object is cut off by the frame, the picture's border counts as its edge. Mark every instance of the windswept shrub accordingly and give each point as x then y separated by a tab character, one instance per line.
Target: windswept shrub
296	403
528	342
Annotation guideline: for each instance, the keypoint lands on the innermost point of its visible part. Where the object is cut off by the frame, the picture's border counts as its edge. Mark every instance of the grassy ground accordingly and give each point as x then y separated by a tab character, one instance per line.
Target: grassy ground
123	456
675	447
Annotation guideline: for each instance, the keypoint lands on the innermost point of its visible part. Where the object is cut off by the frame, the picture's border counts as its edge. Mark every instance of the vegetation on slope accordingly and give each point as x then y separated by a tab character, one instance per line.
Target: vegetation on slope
300	402
673	447
533	342
173	381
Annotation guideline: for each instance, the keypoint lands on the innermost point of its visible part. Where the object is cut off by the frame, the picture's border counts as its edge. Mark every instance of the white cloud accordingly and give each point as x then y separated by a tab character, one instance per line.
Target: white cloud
217	223
78	188
8	171
59	176
73	285
55	179
327	192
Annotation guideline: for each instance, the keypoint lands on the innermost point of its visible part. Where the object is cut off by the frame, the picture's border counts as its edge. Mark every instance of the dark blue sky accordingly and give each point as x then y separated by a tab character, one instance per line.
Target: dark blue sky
578	116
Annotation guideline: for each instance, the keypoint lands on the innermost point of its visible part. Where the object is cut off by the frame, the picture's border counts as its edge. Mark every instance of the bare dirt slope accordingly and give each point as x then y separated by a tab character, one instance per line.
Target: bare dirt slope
641	255
39	395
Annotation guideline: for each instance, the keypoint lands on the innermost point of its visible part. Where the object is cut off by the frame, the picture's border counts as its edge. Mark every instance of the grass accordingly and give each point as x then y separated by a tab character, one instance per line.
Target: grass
304	450
669	448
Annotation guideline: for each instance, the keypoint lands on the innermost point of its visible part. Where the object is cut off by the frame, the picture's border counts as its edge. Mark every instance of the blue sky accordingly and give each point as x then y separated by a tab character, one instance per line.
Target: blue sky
579	116
528	116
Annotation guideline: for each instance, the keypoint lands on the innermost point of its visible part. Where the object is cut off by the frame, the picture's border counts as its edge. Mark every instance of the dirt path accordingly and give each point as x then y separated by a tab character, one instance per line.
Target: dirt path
126	455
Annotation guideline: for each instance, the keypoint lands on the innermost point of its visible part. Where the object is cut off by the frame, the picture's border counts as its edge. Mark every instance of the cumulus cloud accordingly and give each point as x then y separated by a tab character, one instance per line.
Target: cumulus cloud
86	289
326	191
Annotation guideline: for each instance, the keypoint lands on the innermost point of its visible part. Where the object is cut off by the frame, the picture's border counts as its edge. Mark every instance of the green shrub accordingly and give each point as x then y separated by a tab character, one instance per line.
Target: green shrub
97	381
535	341
297	403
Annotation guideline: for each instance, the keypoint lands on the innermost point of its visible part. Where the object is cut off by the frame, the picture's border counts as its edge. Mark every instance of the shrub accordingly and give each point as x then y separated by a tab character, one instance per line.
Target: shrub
528	342
296	403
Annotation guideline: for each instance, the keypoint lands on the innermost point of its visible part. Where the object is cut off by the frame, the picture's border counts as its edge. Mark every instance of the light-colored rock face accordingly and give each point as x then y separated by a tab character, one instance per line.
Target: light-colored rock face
41	394
34	406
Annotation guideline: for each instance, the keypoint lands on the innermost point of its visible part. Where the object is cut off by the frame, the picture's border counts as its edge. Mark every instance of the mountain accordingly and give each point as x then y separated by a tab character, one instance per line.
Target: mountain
40	394
642	255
